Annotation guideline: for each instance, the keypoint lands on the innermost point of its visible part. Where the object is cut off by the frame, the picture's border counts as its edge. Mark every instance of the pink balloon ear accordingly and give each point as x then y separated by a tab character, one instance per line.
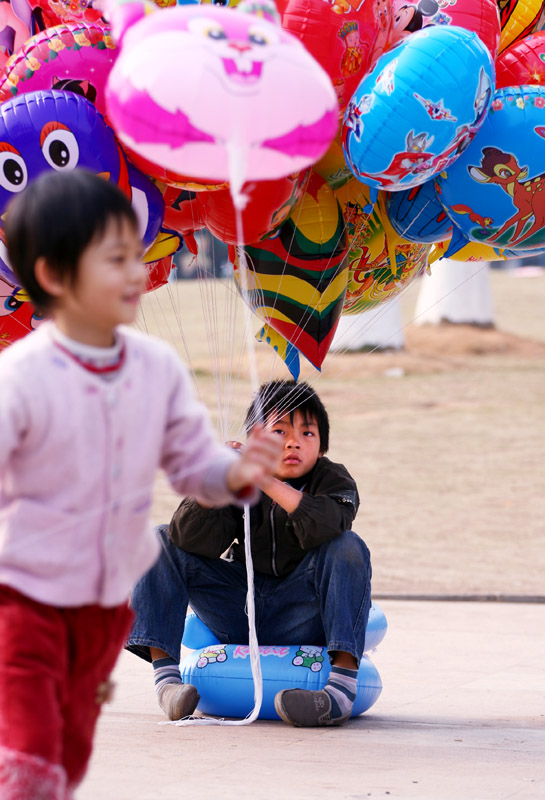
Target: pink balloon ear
266	9
122	14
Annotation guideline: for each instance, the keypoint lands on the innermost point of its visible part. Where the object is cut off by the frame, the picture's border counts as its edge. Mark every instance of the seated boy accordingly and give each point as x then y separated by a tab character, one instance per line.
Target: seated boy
312	573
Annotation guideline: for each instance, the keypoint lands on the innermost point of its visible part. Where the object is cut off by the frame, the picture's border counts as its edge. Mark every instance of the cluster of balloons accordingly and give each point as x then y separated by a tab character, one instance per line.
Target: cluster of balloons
330	143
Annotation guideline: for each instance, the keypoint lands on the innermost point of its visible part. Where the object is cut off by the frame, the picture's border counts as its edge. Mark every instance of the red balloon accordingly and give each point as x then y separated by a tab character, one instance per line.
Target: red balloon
269	204
523	63
344	36
158	273
480	16
183	211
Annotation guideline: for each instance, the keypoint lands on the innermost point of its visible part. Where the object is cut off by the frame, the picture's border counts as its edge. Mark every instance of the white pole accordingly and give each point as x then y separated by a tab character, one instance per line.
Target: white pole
458	292
380	328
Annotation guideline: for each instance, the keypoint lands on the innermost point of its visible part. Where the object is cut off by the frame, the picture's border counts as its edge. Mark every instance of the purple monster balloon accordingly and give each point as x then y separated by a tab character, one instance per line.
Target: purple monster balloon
59	130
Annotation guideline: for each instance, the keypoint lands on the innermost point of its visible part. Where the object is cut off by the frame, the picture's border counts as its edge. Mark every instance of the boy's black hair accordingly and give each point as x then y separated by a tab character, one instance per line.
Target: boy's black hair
286	397
56	217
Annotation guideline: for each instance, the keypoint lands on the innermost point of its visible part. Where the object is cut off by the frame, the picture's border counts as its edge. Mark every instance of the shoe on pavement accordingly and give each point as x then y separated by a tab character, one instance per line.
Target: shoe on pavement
178	700
305	708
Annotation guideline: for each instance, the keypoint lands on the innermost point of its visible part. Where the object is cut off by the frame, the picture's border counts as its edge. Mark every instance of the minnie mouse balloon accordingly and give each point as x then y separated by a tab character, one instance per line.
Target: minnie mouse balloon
417	110
214	92
480	16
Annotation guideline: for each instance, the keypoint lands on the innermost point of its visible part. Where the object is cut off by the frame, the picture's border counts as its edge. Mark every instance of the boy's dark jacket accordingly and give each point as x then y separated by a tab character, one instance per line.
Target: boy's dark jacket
279	540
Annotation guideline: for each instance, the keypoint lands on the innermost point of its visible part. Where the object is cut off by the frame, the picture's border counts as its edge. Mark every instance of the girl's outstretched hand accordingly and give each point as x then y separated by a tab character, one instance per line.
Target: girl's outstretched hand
259	460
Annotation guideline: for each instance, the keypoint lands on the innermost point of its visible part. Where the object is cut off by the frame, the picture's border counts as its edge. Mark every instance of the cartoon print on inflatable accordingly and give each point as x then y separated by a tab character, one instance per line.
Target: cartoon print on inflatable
422	75
76	57
212	655
264	108
56	130
309	657
354	200
226	689
226	686
494	193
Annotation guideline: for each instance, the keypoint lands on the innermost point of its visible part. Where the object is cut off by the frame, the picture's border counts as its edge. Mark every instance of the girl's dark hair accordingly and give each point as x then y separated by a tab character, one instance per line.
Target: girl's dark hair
286	397
56	217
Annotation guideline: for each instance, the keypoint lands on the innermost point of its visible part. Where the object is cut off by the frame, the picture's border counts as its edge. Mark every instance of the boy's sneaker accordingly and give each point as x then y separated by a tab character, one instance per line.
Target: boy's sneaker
178	700
305	708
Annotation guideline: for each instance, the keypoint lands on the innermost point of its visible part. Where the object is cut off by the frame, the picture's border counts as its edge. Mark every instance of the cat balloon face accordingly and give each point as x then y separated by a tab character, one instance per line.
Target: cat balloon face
217	93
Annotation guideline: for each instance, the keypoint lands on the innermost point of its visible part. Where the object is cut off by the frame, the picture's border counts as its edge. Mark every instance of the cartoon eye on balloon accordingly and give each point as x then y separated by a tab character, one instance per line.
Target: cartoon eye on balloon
13	170
60	147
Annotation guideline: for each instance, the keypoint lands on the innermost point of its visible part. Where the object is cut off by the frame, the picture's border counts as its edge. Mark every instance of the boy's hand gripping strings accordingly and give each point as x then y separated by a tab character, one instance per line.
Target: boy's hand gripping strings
259	458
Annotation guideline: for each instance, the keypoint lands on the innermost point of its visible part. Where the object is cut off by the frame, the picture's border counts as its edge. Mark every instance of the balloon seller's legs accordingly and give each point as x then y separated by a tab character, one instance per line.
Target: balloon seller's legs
325	600
215	589
338	578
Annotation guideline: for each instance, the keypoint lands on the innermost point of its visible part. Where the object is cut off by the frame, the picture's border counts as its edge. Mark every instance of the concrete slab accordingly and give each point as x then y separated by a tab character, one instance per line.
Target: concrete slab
461	716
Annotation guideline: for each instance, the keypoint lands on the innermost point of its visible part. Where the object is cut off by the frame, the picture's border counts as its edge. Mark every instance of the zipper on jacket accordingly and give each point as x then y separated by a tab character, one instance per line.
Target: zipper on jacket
273	539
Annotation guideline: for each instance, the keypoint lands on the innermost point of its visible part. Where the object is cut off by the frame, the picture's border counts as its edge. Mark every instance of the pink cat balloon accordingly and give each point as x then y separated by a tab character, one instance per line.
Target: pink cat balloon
217	93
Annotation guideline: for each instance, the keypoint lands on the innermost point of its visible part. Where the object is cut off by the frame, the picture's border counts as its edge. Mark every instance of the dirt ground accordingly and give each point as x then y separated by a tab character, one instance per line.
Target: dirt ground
445	438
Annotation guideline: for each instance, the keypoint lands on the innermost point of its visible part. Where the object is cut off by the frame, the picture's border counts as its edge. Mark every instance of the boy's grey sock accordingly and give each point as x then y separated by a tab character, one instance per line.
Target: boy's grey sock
342	687
177	699
165	670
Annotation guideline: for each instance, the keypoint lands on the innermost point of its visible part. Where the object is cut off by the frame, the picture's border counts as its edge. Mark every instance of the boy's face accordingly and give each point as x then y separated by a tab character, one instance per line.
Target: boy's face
301	441
107	289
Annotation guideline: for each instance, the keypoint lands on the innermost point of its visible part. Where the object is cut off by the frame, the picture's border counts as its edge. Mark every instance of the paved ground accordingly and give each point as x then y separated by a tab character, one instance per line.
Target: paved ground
461	717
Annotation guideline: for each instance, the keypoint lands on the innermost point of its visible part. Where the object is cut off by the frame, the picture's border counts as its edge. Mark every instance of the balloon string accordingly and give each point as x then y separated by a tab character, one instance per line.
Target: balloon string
255	661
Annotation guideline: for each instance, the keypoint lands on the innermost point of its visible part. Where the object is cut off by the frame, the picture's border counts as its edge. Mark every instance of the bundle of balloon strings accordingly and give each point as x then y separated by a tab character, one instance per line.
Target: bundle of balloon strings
250	599
254	647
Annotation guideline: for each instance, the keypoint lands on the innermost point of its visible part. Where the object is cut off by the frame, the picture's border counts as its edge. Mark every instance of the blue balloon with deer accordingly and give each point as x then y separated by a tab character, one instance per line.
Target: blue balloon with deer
495	192
418	108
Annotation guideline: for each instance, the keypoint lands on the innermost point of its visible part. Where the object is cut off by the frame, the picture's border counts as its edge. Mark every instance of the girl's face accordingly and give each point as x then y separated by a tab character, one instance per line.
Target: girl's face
107	289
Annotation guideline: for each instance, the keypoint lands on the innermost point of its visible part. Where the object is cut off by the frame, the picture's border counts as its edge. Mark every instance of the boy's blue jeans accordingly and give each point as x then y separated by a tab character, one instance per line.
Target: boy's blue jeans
324	601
